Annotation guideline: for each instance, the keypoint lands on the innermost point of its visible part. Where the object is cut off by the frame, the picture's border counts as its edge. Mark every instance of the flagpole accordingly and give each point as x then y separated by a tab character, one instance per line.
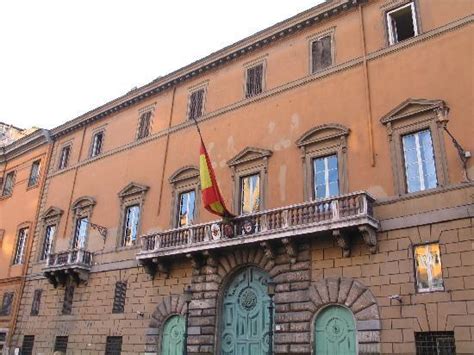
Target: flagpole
198	129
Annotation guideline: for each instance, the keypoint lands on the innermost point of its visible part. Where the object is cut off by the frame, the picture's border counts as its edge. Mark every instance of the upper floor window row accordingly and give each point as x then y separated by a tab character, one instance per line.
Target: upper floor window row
9	181
8	184
402	23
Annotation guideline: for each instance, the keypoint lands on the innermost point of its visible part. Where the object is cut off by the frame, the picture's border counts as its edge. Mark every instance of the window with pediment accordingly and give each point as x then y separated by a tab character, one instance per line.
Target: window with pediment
185	196
324	156
415	132
82	212
132	198
249	174
50	223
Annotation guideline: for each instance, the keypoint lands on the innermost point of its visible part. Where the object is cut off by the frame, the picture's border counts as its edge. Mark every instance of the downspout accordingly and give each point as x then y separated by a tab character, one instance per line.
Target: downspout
16	309
165	158
368	102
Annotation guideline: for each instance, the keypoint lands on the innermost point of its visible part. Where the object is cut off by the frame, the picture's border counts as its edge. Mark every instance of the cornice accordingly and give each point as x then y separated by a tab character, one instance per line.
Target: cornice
261	39
24	144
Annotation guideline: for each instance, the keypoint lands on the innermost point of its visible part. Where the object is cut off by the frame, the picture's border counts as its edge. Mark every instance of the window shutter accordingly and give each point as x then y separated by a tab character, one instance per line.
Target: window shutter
258	79
119	298
113	345
35	307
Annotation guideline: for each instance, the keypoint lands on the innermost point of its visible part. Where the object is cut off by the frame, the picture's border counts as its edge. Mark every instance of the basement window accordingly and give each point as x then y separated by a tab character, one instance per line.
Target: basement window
428	343
402	23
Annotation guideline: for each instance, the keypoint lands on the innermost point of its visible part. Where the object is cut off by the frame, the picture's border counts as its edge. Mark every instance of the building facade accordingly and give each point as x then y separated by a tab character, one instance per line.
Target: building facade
23	162
341	140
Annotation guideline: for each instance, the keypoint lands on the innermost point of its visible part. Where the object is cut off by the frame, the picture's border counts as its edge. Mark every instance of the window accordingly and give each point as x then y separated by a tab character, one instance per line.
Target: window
196	104
97	141
119	297
48	241
254	80
420	170
132	199
8	184
415	131
428	268
28	344
60	344
250	194
20	246
3	341
130	228
144	125
429	343
402	23
34	173
113	345
187	205
249	173
35	306
7	303
80	233
68	298
326	177
321	53
324	151
64	157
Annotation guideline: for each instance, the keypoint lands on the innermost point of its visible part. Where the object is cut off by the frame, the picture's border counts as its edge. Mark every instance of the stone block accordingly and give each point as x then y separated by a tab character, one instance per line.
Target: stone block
368	336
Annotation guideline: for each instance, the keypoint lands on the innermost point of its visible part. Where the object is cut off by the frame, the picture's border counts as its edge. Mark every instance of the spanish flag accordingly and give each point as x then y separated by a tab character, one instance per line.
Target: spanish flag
211	196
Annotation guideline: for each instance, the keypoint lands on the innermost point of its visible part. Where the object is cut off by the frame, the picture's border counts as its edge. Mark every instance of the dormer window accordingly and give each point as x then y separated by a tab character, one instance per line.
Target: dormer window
402	23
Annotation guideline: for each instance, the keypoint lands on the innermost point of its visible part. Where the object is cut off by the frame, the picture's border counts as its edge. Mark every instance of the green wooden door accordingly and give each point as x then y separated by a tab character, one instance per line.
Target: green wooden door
245	315
173	336
335	332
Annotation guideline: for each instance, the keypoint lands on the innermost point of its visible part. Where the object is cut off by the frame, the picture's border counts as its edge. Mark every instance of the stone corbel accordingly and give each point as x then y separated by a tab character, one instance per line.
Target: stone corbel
370	237
268	250
149	266
343	241
291	249
211	258
196	262
163	268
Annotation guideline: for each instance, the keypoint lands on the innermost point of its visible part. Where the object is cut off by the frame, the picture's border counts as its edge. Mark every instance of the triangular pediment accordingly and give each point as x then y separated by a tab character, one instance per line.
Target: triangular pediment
132	189
322	133
52	212
184	173
249	154
83	202
412	107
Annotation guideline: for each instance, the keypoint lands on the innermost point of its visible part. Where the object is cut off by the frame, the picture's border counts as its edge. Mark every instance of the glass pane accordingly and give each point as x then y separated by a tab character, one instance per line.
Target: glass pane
250	194
132	216
332	162
333	188
186	208
81	233
48	241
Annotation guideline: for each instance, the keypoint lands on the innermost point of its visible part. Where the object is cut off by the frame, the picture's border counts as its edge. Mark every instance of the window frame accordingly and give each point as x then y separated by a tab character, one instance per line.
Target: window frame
316	37
125	222
81	208
241	192
6	295
183	180
11	173
146	110
22	227
36	303
52	216
250	65
65	146
388	24
430	289
194	89
411	116
119	301
38	177
100	131
314	195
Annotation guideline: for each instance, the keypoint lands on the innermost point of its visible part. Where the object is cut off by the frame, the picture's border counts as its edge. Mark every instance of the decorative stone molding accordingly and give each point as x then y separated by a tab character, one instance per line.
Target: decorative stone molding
168	307
343	241
355	296
319	141
249	161
369	235
411	116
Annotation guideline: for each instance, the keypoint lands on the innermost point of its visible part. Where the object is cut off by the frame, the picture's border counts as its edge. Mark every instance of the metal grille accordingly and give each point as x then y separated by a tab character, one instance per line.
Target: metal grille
61	343
27	346
430	343
68	298
35	306
119	298
113	346
7	304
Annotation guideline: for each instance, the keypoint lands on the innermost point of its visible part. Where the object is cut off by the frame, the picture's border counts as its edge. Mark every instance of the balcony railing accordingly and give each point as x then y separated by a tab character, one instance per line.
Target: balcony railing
338	213
75	263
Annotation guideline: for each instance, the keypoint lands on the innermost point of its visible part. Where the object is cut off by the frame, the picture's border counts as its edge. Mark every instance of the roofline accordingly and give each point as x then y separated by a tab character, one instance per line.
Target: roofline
24	144
283	29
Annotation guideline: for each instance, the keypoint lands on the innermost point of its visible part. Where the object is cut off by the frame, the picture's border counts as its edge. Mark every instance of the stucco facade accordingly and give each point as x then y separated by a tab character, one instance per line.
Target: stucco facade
361	257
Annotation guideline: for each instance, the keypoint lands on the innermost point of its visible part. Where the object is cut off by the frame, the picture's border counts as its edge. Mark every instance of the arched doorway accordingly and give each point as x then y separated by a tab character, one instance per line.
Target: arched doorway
335	332
245	320
172	342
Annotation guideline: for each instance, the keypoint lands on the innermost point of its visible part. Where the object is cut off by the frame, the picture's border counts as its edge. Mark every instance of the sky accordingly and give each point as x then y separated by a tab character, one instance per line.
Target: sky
60	59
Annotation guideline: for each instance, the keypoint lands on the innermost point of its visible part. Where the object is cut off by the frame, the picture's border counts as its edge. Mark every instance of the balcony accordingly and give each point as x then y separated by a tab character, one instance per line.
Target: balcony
74	264
343	217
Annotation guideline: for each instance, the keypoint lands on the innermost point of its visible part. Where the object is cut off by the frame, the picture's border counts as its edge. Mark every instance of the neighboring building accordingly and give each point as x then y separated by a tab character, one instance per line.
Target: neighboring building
22	166
330	134
10	133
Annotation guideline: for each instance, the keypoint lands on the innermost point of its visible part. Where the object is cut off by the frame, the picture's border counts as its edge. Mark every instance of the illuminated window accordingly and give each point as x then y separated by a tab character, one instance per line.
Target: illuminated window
250	194
187	205
428	268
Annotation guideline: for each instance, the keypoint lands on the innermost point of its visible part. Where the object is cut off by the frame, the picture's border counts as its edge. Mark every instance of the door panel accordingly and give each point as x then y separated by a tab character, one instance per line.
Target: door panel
335	332
173	336
246	320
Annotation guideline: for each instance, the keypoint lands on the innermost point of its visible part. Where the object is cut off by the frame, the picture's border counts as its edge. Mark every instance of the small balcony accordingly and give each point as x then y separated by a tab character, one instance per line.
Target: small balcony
343	217
74	264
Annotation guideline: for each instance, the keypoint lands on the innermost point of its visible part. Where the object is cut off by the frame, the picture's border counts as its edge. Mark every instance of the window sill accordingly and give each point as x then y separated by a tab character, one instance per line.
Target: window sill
28	188
4	197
